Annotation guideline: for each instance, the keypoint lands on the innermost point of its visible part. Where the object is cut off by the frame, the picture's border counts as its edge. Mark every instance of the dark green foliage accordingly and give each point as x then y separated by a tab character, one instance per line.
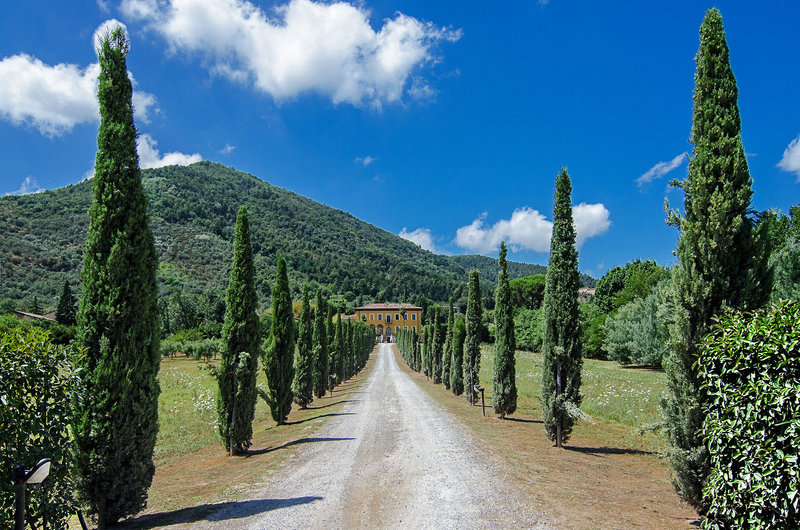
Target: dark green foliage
561	347
240	333
472	344
116	420
332	356
338	351
303	382
593	331
279	357
528	292
622	285
447	353
38	383
750	368
437	350
320	355
716	252
528	333
65	310
456	368
504	386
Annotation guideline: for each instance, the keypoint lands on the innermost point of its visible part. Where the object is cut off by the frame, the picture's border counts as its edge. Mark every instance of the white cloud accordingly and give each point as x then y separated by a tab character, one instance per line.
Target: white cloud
529	229
590	220
150	157
421	237
660	169
228	149
303	46
53	99
365	161
28	186
791	158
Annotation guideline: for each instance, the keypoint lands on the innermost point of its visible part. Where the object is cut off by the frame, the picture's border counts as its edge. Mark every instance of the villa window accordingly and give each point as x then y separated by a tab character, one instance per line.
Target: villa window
380	317
405	316
413	316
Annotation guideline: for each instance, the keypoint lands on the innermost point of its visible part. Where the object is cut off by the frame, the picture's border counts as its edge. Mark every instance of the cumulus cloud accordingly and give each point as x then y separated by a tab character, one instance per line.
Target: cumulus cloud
421	237
791	158
302	46
660	169
529	229
228	149
365	161
28	186
53	99
150	157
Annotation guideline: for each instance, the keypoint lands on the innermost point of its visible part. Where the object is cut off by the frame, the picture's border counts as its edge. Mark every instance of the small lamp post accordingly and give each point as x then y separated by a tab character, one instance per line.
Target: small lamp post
23	476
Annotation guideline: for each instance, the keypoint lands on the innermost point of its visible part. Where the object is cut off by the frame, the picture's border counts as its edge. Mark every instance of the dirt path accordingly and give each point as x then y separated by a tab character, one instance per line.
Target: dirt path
392	458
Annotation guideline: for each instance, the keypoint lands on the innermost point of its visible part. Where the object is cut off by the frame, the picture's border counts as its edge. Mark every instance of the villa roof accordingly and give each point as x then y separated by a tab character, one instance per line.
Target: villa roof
381	307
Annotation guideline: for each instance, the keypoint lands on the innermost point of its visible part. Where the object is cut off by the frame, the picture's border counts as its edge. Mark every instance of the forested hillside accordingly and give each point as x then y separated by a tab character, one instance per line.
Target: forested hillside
193	213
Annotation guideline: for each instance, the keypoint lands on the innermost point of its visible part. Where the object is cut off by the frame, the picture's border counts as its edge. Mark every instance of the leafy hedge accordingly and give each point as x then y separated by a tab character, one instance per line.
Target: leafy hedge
37	382
750	367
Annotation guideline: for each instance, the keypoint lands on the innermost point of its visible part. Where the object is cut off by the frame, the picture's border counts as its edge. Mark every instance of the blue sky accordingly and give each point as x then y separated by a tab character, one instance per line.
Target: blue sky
445	121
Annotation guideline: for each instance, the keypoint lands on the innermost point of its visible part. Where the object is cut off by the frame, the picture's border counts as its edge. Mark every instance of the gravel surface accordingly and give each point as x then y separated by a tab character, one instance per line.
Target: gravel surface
392	459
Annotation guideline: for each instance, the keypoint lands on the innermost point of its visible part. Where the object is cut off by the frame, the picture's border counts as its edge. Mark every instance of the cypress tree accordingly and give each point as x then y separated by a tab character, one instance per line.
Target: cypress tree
236	400
716	251
338	348
279	358
332	355
320	338
456	369
303	384
472	342
436	347
65	310
561	347
116	416
504	386
447	354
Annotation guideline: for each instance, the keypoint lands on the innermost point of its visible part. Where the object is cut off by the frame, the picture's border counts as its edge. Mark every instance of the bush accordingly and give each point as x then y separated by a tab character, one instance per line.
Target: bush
750	368
528	329
38	381
593	333
638	332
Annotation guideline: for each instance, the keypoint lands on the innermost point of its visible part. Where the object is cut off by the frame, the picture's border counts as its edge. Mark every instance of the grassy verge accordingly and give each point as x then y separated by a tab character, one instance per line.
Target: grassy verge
608	476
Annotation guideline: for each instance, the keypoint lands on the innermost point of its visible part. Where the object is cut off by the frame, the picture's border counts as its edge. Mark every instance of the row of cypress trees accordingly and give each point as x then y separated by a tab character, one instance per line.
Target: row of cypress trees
456	363
297	360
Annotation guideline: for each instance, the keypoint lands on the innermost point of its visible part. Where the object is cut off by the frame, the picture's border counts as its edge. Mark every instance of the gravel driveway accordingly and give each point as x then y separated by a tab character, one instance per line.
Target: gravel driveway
391	458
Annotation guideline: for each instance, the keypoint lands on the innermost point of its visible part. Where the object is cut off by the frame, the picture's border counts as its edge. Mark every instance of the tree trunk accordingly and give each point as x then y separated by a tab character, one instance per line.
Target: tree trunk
559	418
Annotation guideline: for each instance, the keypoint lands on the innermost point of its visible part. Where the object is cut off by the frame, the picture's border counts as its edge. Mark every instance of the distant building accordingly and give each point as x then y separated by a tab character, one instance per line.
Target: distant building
388	319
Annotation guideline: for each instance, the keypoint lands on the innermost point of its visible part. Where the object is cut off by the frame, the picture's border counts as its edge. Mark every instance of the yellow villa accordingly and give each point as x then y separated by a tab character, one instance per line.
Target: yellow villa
388	319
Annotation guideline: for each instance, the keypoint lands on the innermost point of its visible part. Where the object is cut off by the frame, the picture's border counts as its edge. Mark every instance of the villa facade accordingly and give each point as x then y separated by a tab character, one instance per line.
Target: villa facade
388	319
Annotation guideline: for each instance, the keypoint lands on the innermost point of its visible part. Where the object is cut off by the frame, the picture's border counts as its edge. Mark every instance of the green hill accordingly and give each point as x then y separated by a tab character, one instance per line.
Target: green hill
193	213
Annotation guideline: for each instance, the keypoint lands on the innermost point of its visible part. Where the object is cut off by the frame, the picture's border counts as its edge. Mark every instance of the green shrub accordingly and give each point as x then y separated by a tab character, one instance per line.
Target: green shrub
528	329
750	367
37	382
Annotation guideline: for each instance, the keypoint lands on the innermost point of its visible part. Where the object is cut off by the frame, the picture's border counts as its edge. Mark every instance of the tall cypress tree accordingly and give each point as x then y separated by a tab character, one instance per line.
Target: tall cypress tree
65	310
504	386
236	400
303	383
447	353
716	251
332	357
279	358
472	343
116	416
456	369
320	338
436	350
339	348
561	347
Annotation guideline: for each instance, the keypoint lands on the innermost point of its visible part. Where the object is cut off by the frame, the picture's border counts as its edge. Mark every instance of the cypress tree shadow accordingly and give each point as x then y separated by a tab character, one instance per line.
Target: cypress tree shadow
299	441
221	511
522	420
597	451
320	416
331	404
